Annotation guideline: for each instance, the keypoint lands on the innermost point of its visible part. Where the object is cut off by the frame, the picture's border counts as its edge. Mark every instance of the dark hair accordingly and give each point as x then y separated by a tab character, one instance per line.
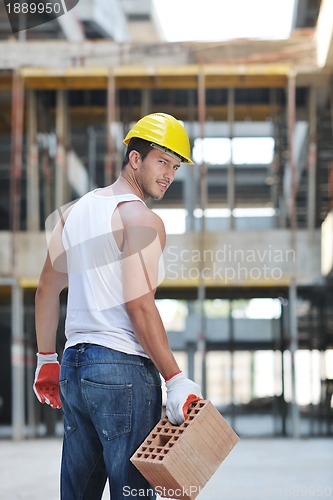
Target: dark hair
140	145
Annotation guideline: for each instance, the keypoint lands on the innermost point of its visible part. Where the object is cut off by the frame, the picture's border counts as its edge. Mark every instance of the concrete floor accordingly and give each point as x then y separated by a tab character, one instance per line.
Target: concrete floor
256	468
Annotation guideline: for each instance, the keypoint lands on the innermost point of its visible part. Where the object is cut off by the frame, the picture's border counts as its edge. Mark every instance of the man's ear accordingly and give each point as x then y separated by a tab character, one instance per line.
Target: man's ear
134	159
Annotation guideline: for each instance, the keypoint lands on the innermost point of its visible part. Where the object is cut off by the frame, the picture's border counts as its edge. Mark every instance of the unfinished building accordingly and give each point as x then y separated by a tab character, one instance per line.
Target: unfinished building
244	227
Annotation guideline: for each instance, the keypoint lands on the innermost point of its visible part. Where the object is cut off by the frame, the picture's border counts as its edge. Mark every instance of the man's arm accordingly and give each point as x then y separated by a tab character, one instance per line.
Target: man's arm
50	285
144	241
52	281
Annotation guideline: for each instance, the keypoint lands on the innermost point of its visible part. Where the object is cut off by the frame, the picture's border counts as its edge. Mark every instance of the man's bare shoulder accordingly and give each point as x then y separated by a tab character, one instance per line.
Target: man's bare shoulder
141	222
137	213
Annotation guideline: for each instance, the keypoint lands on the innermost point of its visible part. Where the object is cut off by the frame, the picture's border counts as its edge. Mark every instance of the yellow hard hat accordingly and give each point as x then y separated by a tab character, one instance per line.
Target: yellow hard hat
165	131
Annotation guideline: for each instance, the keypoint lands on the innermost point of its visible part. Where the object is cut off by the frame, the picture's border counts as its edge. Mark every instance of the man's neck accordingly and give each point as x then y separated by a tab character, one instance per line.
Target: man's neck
127	184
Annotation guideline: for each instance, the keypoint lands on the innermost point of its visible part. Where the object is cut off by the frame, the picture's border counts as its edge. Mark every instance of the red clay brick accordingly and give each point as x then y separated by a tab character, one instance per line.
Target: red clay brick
179	460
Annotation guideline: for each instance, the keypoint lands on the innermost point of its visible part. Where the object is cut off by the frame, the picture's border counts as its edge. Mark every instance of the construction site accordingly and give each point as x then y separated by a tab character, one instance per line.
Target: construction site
248	289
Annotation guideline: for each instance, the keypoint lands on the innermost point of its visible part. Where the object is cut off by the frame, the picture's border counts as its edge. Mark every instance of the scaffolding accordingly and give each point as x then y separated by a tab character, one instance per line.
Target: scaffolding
190	91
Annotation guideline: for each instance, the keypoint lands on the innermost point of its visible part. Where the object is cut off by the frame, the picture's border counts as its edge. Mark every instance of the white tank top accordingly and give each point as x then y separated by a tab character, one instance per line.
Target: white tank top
95	309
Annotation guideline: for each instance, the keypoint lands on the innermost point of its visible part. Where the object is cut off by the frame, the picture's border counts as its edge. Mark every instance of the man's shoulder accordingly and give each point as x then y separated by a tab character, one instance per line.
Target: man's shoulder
142	224
136	212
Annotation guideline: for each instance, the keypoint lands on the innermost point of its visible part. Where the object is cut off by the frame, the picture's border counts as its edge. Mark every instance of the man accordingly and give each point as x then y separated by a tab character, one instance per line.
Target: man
116	343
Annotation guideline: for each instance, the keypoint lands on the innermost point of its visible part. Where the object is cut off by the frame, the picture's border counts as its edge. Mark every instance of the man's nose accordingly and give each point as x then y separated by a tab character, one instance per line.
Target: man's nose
169	175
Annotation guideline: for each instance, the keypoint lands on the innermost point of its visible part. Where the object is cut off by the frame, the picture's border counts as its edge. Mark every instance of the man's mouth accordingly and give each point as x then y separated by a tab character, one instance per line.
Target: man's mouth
163	185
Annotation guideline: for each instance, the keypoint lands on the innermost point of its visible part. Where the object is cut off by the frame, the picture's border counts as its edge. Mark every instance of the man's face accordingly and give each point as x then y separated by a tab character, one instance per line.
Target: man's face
156	173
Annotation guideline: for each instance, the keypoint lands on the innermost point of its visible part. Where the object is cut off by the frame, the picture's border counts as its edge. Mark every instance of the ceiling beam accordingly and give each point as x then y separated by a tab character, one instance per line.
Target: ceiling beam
254	112
217	76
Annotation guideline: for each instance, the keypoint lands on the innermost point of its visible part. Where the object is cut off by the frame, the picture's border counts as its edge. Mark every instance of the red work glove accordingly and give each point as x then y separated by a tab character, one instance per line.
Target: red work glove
181	392
46	384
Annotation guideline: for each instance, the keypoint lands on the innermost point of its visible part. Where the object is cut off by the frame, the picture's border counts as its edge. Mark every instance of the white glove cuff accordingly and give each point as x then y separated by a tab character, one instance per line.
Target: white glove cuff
46	358
174	380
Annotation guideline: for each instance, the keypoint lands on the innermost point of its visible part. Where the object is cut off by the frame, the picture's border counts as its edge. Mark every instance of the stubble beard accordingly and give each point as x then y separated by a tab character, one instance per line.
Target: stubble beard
149	193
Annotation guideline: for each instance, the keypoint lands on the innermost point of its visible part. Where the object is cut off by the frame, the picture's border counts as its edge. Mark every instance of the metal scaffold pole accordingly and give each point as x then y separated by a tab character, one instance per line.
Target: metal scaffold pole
202	236
17	347
189	184
18	362
17	113
62	130
293	327
231	166
109	169
33	212
312	160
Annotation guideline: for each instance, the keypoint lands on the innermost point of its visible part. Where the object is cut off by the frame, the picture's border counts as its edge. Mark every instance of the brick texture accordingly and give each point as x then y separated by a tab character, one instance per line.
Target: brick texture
179	460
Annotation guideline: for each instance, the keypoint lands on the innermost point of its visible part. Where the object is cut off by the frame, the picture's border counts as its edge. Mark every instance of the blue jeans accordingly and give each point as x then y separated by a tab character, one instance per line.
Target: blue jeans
111	401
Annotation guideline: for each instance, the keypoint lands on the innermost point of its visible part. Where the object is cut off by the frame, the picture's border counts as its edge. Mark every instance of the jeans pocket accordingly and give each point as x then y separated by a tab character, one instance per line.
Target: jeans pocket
110	407
69	420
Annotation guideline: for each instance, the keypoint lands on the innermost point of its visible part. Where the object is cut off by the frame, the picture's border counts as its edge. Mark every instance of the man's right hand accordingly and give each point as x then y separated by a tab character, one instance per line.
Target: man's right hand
181	391
46	383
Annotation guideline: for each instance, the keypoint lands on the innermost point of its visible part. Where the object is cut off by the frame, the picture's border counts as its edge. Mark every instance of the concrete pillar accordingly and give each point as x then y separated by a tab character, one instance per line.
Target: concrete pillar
17	355
62	131
33	212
